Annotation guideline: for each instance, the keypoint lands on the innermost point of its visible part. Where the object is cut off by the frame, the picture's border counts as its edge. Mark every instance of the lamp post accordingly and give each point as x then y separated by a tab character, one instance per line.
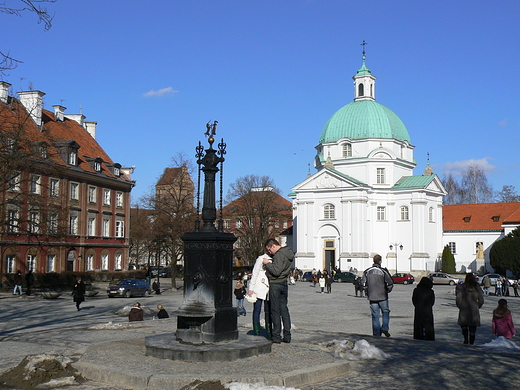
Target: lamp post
397	245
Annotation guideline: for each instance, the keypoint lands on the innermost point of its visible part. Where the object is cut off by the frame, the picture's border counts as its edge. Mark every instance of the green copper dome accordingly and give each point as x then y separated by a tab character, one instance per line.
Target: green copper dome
364	119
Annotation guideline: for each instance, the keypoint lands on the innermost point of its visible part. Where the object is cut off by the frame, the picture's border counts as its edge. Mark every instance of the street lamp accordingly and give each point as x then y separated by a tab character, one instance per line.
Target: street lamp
397	245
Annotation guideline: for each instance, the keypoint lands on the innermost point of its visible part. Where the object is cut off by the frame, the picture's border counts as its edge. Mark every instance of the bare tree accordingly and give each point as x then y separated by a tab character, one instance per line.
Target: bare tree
454	192
257	207
6	61
508	194
475	186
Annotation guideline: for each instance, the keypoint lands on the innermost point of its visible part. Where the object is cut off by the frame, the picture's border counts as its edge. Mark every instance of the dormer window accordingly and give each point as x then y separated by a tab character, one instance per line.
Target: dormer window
467	219
73	157
97	166
496	218
117	173
347	150
42	151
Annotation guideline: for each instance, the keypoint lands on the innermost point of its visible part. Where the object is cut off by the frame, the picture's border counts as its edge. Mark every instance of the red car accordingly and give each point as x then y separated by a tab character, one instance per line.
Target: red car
403	278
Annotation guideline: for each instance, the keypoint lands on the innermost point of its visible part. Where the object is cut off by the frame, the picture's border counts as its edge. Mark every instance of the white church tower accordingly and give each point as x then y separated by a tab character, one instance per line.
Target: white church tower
364	198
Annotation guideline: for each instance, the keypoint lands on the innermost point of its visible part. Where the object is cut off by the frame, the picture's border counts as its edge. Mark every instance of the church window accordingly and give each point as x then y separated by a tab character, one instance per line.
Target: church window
380	175
453	247
381	213
329	211
404	213
430	214
347	150
361	90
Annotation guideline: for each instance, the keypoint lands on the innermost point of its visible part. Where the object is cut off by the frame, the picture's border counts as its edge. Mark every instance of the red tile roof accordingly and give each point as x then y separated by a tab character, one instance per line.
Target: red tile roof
480	216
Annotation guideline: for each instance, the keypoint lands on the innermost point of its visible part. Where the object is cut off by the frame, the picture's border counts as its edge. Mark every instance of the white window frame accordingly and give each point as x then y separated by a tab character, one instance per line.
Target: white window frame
13	220
430	214
89	263
120	228
117	172
380	176
73	157
31	262
74	191
14	183
329	211
104	262
119	199
9	264
106	197
53	223
238	224
347	150
118	261
54	187
405	213
34	222
92	194
106	228
35	184
91	226
51	262
381	213
453	247
73	224
97	166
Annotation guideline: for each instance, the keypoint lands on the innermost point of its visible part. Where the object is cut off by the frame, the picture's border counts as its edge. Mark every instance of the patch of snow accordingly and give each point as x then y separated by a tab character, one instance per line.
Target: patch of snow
255	386
110	326
501	343
60	382
35	359
360	350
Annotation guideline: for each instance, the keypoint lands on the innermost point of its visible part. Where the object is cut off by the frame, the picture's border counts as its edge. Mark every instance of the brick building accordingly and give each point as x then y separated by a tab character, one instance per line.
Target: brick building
66	204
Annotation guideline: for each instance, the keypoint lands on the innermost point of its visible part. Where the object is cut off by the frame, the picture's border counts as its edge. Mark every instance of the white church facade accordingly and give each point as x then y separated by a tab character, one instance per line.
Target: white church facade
364	198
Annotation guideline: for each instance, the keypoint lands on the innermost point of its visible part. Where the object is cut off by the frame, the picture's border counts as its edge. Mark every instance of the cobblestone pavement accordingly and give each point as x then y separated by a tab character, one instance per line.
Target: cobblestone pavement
32	325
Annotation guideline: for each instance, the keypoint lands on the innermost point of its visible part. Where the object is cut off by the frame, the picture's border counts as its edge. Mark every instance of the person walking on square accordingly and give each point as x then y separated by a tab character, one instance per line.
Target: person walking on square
277	271
515	288
502	324
498	287
240	294
18	283
379	283
329	279
423	299
469	301
321	280
486	283
259	286
29	281
78	292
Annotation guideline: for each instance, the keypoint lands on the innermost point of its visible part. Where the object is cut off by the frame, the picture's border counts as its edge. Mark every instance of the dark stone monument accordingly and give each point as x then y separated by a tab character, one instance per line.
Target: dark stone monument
207	321
207	314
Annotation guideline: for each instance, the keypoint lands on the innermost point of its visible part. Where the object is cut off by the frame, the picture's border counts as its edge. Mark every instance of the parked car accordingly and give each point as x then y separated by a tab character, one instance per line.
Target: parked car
443	278
307	277
129	288
348	277
403	278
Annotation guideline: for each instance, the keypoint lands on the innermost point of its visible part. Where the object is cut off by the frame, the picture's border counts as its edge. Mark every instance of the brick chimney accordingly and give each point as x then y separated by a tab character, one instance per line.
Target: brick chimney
90	126
33	103
4	89
59	112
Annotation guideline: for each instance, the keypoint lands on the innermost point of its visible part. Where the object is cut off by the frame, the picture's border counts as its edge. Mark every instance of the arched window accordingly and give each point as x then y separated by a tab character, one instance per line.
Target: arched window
404	213
361	90
347	150
329	211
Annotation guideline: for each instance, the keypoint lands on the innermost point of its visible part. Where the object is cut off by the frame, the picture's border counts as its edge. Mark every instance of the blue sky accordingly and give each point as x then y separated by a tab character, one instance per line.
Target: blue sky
153	73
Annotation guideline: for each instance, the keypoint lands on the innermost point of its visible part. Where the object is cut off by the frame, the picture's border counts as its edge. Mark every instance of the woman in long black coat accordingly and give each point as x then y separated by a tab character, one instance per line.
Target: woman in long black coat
78	292
423	299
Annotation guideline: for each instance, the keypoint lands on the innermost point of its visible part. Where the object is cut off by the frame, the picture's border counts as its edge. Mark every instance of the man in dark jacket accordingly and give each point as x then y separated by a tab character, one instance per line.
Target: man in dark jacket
277	271
379	283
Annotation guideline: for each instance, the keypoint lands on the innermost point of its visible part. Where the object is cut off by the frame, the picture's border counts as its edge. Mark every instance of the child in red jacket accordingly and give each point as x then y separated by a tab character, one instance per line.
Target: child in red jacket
503	321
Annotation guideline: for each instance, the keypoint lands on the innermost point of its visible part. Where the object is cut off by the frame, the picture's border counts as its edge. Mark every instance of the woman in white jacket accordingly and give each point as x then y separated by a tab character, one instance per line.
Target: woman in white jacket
259	286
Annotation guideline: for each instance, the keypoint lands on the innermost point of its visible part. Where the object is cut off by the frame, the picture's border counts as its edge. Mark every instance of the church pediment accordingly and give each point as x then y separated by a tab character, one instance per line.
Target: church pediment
327	179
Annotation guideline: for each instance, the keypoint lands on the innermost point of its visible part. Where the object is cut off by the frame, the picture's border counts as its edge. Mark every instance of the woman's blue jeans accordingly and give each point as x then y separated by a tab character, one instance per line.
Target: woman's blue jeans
257	309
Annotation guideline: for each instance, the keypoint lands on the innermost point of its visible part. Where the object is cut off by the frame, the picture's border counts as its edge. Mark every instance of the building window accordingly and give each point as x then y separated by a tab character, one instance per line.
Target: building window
91	194
73	157
35	184
329	211
53	223
381	213
284	224
106	228
89	265
404	213
73	224
277	224
380	175
54	188
50	263
34	222
91	226
106	197
116	172
226	224
12	221
119	199
97	166
74	191
430	214
104	262
118	262
347	150
9	264
14	182
120	228
453	247
31	262
238	223
43	151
